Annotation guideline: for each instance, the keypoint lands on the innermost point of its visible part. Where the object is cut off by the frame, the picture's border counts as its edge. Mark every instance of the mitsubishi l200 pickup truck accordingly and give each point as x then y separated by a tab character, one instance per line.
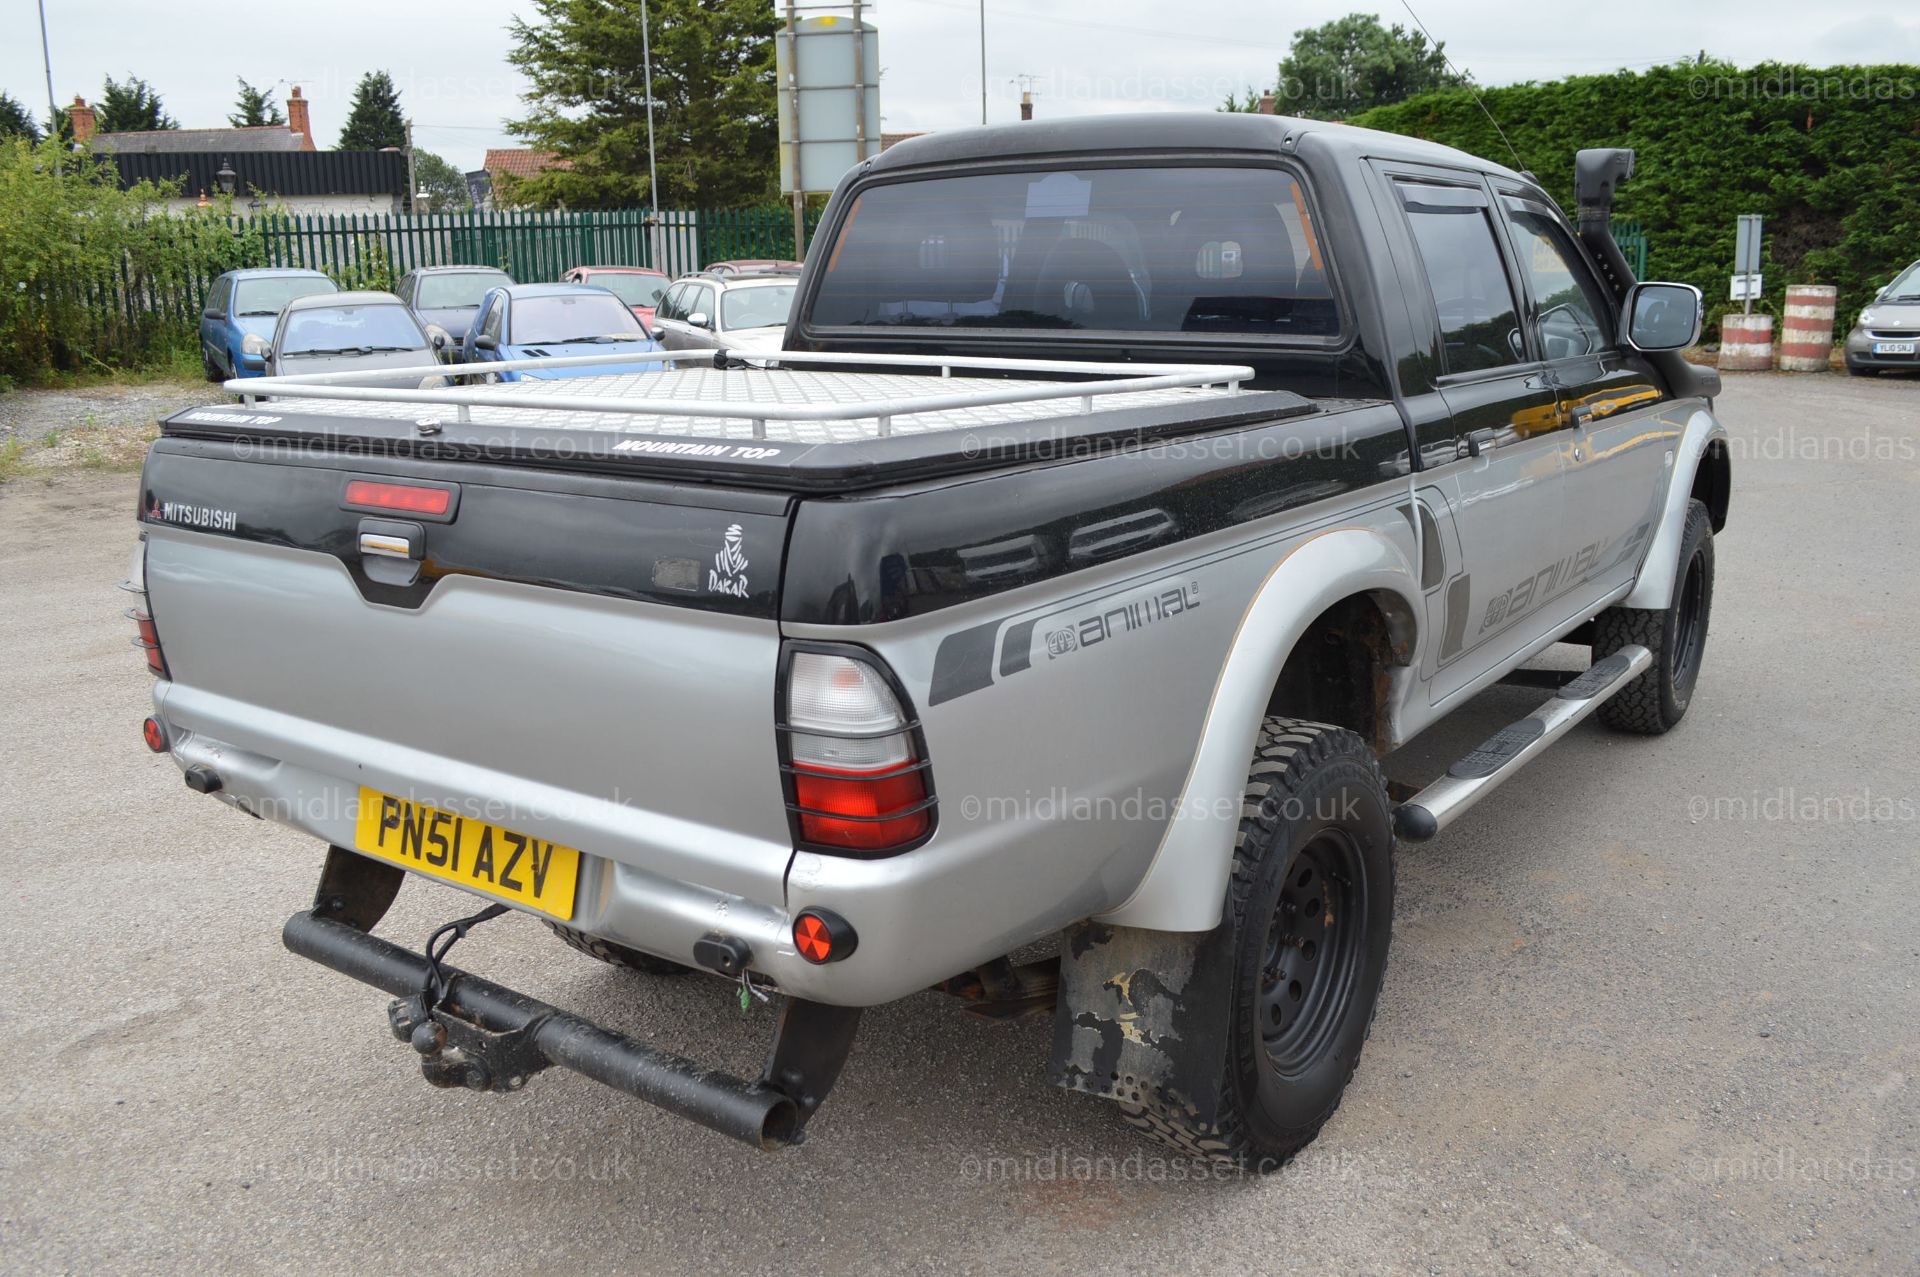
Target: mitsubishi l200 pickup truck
1125	489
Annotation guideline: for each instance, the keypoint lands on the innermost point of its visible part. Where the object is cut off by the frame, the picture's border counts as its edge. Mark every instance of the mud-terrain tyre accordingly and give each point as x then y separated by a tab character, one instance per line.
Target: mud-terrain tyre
616	954
1309	913
1676	635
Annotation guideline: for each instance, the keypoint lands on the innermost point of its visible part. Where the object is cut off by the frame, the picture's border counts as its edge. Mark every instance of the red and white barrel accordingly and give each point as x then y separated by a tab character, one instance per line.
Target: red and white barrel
1806	335
1746	343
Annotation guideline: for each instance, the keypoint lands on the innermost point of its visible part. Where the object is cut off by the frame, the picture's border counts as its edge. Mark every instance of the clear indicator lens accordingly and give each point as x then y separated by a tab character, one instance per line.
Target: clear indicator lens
833	695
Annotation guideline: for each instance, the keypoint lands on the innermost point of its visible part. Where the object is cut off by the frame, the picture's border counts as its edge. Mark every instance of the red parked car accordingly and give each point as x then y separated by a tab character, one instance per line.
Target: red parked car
751	266
637	286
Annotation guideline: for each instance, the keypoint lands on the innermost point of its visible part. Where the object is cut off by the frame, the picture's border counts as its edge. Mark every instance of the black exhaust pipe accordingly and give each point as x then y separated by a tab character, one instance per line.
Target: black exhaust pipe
750	1111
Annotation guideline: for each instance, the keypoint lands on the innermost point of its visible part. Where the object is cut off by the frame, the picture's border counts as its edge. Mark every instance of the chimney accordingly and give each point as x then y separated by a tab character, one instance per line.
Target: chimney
1266	104
80	115
297	121
1026	104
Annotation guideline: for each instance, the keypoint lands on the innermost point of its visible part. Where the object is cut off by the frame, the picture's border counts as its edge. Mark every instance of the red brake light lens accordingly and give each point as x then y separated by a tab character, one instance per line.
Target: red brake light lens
861	811
404	497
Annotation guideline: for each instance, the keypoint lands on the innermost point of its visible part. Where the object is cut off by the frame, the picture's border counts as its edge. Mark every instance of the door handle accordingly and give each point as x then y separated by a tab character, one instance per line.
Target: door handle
1477	442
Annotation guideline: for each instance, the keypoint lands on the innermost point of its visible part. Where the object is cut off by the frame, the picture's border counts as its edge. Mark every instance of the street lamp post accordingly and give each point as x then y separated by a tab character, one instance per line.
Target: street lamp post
226	178
983	61
646	71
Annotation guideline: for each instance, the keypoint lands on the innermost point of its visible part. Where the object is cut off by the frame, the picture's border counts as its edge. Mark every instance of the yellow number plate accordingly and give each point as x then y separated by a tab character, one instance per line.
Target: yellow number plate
487	858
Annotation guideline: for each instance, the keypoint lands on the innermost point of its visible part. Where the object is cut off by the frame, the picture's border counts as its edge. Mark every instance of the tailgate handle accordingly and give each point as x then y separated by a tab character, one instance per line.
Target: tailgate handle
391	550
382	543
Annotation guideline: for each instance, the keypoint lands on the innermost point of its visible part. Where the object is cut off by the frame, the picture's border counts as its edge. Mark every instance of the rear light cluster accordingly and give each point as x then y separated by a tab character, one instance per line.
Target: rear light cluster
855	766
141	613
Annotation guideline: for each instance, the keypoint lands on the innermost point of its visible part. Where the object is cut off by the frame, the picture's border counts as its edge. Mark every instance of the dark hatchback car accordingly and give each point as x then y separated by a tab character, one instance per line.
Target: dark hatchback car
444	298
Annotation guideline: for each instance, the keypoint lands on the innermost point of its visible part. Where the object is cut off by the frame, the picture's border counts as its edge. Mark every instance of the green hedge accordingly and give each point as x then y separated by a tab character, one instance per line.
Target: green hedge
1831	159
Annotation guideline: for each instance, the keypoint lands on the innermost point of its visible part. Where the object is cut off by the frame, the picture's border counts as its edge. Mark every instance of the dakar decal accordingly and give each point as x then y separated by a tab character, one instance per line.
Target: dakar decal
729	572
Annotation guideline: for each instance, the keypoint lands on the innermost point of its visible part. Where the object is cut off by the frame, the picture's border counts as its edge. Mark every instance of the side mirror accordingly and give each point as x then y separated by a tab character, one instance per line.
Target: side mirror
700	319
252	362
1662	316
486	341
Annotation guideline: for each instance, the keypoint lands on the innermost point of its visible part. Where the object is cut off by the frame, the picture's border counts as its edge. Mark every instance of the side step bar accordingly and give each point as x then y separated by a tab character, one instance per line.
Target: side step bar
1505	752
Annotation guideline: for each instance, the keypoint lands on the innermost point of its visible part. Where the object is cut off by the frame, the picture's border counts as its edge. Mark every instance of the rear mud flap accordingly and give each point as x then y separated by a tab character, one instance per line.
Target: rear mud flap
1143	1018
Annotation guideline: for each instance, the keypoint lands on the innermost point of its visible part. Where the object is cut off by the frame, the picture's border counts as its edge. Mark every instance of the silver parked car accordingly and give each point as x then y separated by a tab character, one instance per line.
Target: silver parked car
741	312
361	332
1887	334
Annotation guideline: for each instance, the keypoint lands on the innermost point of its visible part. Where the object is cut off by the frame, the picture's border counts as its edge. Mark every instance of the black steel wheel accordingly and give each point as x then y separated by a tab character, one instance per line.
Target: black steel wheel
1676	635
1308	917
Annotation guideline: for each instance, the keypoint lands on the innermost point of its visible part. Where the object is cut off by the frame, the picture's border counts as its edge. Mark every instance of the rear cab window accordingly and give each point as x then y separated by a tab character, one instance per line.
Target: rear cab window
1164	249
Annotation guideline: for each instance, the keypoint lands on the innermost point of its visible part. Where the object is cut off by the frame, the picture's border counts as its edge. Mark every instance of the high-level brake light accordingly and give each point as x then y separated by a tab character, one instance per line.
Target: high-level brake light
407	498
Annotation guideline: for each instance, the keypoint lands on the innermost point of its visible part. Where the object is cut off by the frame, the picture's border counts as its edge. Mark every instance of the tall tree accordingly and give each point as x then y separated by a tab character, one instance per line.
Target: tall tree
132	107
443	187
15	121
255	107
1336	71
715	113
374	121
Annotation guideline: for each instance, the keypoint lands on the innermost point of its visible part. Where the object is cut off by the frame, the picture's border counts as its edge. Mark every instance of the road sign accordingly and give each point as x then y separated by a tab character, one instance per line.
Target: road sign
1746	245
828	69
1746	288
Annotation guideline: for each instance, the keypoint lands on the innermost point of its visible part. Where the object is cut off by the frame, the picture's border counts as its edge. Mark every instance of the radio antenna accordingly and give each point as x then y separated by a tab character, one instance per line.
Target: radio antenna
1478	101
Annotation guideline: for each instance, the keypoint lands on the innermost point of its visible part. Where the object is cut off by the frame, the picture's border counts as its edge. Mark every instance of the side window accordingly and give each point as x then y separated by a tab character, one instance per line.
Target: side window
496	319
699	301
405	291
1570	307
669	307
222	293
1479	320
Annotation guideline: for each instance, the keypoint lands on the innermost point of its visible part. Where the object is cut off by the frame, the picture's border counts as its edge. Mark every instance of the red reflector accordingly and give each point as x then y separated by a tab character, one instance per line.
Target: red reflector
809	936
827	799
820	936
399	496
155	735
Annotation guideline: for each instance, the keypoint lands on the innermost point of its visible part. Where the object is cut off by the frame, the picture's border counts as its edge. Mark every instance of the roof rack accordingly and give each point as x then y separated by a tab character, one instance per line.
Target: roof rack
759	401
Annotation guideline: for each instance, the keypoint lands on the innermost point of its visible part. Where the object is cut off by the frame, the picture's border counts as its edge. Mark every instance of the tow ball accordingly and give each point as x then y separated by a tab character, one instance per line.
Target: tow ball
458	1054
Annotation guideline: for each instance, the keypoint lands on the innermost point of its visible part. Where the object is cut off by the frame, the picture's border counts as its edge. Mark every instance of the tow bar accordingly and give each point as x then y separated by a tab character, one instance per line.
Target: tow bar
482	1036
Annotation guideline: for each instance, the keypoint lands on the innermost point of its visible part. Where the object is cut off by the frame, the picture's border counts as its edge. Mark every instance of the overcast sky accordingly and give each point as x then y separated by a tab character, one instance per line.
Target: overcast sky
1085	56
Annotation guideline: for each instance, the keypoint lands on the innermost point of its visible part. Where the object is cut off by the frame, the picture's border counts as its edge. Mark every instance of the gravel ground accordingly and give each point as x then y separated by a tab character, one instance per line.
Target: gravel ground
1655	1006
100	427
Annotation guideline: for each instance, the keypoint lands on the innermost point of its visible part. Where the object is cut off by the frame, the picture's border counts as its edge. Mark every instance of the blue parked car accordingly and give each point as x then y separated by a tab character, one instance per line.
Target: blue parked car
530	321
243	304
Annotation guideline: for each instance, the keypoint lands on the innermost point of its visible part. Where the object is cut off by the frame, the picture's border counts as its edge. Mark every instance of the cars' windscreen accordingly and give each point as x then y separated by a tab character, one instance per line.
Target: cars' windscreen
270	296
761	306
561	318
351	330
1196	250
1905	285
634	290
456	292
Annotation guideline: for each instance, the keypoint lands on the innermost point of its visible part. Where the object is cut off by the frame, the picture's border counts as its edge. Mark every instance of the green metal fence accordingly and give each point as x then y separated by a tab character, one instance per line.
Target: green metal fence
374	250
1632	239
